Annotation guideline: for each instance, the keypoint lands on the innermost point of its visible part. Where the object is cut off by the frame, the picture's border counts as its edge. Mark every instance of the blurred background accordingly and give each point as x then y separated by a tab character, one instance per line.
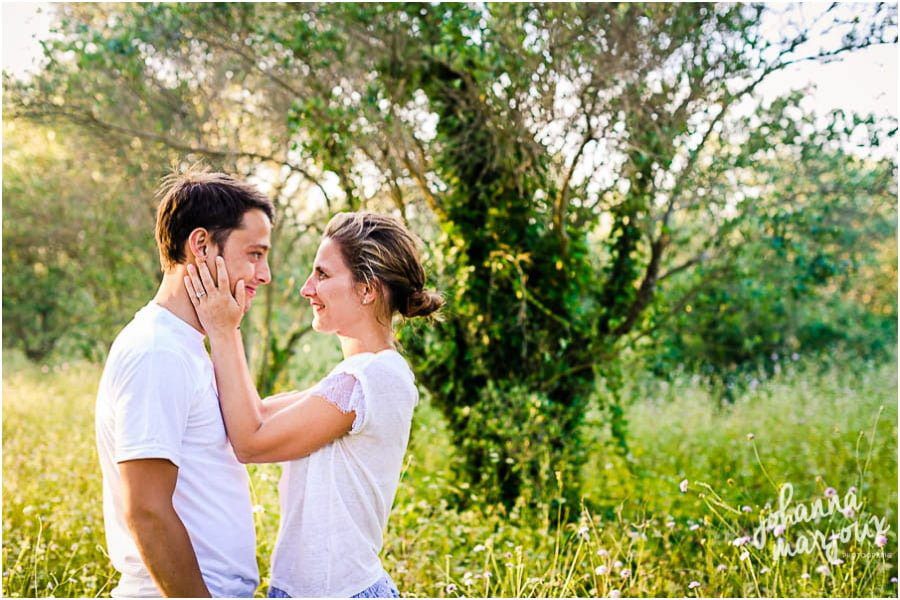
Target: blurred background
658	228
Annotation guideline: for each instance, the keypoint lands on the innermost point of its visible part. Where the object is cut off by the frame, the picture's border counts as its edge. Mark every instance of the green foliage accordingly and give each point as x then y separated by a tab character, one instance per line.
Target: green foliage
156	87
806	249
534	309
564	162
78	257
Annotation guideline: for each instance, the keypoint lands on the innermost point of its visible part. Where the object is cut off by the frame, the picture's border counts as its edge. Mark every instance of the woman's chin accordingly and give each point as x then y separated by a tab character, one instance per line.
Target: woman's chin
320	327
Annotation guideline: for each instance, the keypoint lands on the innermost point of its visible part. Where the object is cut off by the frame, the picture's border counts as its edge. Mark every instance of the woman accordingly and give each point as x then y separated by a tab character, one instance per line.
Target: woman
342	441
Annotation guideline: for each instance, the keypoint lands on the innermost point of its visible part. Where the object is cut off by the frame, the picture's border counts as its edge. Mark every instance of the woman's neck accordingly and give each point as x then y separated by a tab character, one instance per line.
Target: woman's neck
374	340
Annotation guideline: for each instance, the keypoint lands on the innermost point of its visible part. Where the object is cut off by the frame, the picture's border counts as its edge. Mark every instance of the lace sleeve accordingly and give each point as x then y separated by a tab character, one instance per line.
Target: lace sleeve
344	391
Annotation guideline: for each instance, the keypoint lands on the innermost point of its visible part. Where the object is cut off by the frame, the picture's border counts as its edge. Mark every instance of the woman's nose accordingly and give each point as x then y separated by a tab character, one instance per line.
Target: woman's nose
308	290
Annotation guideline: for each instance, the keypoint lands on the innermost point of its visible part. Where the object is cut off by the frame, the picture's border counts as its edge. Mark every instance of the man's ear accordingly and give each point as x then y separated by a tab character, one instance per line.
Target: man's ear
199	242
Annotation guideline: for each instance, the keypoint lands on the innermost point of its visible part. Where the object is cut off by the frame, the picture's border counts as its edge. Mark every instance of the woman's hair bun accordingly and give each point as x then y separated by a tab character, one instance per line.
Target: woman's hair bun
422	303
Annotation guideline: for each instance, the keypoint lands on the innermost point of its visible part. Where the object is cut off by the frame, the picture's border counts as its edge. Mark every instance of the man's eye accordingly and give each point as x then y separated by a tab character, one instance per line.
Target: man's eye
256	255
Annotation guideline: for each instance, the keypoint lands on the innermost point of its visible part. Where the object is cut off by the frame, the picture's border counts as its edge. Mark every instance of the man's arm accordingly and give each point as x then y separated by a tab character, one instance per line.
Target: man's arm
148	485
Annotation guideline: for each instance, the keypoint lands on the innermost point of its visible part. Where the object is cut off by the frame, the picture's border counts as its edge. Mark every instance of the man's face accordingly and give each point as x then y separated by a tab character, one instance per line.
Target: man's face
246	253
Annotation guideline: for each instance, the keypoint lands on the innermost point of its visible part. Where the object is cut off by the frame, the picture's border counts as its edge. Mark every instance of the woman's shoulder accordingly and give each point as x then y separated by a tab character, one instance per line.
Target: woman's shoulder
378	369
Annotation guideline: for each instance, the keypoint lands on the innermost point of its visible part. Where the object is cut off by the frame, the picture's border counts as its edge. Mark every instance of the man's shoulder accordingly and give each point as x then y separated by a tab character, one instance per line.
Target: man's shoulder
146	341
144	337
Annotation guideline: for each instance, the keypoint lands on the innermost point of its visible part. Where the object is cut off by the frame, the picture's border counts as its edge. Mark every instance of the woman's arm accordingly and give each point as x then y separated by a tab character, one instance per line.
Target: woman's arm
272	404
293	431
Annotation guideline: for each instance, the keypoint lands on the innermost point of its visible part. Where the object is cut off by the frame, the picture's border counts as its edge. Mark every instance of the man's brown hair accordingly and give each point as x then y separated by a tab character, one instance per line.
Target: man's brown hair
197	198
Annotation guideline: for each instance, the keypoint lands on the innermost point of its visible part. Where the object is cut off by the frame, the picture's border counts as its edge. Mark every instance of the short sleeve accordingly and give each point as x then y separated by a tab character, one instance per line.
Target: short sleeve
152	403
345	392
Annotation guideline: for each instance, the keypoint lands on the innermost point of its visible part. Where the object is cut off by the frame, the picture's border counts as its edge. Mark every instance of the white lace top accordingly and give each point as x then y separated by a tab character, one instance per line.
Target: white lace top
335	503
344	391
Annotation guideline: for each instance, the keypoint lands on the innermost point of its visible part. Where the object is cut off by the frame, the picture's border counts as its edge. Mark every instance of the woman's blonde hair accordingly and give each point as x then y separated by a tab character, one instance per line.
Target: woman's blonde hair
380	248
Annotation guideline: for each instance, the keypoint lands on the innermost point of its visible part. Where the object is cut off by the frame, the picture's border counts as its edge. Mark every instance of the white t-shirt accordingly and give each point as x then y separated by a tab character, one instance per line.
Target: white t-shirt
335	502
157	399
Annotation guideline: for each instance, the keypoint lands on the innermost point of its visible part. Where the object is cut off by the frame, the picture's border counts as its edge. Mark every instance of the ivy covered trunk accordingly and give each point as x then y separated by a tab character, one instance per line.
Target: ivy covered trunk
503	365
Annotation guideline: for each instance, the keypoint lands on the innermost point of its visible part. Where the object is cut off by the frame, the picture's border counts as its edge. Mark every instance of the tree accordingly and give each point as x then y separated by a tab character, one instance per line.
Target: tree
77	259
556	154
132	79
565	172
819	215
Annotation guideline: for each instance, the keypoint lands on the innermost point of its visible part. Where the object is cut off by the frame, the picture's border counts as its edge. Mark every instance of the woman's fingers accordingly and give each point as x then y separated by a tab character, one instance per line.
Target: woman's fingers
192	293
199	290
222	274
206	276
240	293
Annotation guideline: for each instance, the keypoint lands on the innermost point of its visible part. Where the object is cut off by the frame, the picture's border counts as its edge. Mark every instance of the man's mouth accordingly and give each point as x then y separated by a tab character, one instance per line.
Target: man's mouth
251	291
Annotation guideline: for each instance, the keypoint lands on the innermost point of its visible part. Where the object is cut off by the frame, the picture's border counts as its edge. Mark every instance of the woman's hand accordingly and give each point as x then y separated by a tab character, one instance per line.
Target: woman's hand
219	312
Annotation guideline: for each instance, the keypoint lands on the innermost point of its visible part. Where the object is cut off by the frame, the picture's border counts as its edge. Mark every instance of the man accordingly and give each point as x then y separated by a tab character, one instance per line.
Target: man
176	502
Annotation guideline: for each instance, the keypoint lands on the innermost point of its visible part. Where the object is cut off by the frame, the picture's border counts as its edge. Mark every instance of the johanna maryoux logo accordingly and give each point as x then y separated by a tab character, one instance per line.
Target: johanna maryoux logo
827	523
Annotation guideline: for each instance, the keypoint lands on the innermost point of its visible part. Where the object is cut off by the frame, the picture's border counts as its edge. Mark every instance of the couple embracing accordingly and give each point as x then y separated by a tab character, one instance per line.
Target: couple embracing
174	424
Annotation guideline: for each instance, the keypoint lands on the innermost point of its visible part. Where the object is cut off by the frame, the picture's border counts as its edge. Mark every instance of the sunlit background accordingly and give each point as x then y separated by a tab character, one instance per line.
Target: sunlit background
669	289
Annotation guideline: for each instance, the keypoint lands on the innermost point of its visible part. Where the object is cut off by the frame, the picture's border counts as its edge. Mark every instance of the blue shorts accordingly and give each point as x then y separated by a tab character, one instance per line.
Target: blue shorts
383	588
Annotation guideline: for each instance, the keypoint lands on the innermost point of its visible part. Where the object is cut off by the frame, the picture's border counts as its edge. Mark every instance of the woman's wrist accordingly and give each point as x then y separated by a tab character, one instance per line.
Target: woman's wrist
225	335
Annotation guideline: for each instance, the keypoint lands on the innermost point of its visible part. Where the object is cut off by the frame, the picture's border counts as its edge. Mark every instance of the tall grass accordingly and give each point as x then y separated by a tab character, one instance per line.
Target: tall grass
638	534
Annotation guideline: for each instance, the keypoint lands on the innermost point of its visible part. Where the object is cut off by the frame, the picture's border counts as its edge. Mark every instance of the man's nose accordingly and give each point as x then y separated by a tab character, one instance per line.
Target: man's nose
263	273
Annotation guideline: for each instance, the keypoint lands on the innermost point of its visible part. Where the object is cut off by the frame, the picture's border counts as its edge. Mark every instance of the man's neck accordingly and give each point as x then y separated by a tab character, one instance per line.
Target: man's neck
173	296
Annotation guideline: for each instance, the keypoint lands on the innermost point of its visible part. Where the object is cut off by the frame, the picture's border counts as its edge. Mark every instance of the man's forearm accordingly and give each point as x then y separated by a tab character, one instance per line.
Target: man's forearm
166	548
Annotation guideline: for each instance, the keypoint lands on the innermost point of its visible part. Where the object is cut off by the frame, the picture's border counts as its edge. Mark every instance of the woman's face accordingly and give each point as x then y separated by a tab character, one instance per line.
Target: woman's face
336	299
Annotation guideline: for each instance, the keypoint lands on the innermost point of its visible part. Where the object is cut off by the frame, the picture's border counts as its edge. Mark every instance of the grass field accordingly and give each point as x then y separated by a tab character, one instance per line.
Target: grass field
812	426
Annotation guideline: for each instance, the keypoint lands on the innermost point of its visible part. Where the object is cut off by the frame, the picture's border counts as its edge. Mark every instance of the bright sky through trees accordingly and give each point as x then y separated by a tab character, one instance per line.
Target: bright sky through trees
863	81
